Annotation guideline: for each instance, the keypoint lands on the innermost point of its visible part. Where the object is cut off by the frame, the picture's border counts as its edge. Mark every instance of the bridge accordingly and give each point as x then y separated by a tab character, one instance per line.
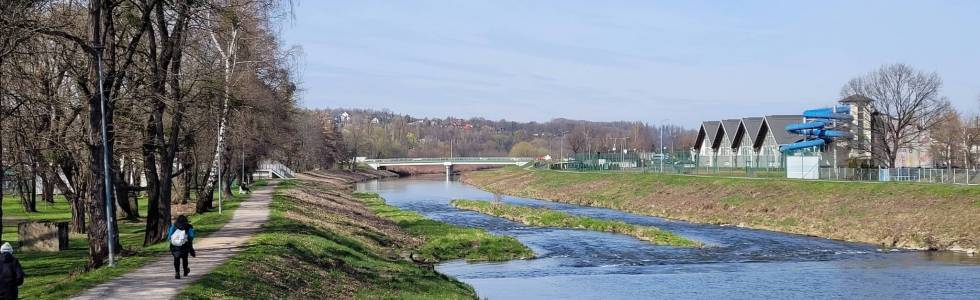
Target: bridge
448	162
272	169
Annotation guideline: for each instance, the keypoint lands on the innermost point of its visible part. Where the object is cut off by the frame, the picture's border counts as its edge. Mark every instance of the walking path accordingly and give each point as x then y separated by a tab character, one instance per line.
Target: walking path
156	280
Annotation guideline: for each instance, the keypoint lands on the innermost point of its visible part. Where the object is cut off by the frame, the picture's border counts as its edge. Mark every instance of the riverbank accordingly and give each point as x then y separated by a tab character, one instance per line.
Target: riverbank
543	217
323	241
901	215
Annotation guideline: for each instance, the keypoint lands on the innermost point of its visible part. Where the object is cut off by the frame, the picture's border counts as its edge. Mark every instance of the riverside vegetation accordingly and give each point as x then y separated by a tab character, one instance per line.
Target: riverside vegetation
58	275
445	242
544	217
323	241
905	215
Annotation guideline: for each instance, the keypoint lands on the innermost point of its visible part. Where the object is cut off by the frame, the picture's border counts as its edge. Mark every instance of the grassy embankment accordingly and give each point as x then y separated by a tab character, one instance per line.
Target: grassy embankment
323	242
907	215
544	217
57	275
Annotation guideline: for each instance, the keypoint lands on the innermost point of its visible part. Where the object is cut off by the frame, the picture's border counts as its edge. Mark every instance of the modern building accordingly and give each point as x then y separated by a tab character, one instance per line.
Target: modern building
704	145
754	141
727	148
747	135
861	114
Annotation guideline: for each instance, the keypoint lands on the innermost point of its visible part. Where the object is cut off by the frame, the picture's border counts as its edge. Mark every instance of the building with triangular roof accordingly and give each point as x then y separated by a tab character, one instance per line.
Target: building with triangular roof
748	133
704	145
727	148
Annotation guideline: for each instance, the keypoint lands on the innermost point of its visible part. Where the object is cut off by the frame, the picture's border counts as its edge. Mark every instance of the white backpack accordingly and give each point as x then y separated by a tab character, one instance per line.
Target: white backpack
178	238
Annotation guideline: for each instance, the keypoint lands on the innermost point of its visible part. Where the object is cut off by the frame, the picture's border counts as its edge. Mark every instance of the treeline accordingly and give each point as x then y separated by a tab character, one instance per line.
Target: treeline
383	134
955	140
910	115
184	82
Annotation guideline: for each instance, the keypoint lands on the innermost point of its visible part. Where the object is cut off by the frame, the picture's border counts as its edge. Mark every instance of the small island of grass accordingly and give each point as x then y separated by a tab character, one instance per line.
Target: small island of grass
544	217
444	241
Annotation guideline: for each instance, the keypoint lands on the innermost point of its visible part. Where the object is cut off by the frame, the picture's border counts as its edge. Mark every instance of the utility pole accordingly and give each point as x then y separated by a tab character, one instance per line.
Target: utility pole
107	181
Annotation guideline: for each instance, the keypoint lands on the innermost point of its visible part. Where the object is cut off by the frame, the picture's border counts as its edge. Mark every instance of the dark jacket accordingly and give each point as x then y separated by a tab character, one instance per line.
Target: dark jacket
188	247
11	276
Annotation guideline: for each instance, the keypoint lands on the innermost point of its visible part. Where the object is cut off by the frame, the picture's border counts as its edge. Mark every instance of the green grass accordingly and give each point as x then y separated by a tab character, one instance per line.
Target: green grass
306	251
58	275
446	242
551	218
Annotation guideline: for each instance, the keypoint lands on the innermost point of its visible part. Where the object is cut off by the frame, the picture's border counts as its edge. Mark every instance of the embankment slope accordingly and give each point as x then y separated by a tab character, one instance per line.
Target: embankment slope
323	241
919	216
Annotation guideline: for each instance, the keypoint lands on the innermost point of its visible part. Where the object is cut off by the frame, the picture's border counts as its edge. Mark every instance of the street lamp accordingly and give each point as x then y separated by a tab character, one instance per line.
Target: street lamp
663	127
107	181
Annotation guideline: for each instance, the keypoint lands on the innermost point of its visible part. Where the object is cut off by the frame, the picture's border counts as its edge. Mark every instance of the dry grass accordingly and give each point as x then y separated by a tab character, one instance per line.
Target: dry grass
921	216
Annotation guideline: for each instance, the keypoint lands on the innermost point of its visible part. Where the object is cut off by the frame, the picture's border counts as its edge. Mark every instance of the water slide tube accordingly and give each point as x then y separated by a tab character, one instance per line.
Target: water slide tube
814	129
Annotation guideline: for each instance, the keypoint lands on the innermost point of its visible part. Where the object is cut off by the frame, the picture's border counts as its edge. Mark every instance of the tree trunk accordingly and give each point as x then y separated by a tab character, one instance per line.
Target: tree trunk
122	190
188	176
229	58
27	200
160	182
77	205
229	178
99	208
47	188
71	187
3	115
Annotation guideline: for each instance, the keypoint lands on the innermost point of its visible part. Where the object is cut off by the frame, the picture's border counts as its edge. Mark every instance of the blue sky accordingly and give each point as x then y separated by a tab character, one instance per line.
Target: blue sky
649	61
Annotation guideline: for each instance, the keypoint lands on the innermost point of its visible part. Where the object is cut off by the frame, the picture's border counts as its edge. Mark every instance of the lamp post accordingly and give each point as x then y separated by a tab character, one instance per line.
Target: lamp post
561	151
663	126
107	181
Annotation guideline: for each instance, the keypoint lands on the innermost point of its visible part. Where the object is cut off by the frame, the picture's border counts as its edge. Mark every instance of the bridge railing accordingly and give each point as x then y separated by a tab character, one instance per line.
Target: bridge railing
276	168
450	159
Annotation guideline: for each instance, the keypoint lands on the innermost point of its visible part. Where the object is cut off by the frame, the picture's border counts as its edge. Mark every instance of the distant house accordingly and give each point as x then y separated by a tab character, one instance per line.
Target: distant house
749	132
727	148
344	117
704	145
773	134
375	121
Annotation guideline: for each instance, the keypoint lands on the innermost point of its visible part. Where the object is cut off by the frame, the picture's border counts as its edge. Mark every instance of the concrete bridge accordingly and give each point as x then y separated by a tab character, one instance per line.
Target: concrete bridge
448	162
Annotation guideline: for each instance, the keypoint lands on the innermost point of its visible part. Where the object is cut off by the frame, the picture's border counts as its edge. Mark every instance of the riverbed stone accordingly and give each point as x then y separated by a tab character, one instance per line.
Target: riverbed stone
43	236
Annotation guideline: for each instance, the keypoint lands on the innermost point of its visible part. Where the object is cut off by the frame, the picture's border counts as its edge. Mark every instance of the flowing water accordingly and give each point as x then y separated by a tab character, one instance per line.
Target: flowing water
737	264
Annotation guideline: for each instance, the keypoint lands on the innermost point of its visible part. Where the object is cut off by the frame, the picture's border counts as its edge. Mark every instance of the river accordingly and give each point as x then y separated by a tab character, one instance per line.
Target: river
738	263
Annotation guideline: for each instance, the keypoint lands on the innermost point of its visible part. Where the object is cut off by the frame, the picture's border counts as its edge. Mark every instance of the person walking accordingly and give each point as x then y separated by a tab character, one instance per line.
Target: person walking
11	274
181	237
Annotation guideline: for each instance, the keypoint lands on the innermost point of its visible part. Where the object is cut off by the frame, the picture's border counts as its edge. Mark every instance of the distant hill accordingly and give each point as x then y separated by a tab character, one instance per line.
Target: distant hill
384	134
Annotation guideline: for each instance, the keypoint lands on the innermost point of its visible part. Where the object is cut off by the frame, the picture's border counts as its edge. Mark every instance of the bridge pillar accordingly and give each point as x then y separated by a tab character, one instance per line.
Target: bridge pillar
449	170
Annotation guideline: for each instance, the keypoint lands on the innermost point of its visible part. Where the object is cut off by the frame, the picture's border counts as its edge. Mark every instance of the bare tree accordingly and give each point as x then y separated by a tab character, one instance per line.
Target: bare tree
947	141
908	103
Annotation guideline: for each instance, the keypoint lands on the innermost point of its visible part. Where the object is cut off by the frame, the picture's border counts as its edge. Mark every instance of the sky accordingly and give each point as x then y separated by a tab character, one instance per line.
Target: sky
680	62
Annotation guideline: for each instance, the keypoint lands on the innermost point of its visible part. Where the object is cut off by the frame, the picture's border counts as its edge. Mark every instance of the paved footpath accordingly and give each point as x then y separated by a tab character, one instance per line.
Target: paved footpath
156	280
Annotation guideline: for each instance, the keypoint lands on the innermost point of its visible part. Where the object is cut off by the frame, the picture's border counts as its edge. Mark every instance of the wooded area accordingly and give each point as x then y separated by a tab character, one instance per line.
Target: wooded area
184	82
383	134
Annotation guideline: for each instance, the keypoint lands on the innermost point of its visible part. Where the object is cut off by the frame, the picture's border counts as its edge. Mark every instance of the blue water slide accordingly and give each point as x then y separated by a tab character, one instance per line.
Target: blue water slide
814	130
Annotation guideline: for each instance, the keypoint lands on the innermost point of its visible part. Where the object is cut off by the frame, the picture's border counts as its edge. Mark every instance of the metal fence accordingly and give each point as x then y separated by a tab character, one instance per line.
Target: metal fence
681	163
